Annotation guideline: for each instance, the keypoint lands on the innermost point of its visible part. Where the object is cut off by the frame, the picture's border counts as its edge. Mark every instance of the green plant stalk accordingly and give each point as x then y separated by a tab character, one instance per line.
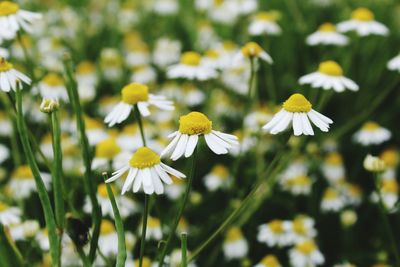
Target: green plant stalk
43	195
90	186
385	219
181	208
84	258
121	256
184	249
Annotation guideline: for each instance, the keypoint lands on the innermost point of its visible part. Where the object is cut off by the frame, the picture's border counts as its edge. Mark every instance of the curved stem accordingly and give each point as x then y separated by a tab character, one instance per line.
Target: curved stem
181	209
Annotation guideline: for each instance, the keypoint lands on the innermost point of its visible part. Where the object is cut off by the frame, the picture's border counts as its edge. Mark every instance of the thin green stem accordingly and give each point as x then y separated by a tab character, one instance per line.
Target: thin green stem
84	258
139	119
184	249
90	185
144	228
121	256
43	195
181	209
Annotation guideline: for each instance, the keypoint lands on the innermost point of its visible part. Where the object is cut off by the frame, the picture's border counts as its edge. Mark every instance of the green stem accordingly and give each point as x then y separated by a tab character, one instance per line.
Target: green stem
90	185
121	256
43	196
139	119
184	249
84	258
144	228
251	83
181	209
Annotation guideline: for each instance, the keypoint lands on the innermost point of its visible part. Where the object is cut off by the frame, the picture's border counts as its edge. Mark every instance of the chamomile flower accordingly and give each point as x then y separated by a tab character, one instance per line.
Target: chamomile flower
274	233
9	215
145	74
253	50
9	76
94	130
175	259
165	7
191	127
191	67
332	200
4	52
219	177
372	133
87	80
166	52
136	94
264	22
175	190
269	261
363	22
22	183
109	237
235	245
393	64
13	18
329	76
146	170
105	152
303	228
4	153
333	168
24	230
306	254
327	35
296	185
297	110
154	231
111	64
52	86
389	191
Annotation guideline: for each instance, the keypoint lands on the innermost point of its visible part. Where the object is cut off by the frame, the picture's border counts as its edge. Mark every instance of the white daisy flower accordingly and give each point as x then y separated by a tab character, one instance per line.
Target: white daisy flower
166	52
363	22
390	193
191	127
6	35
235	245
297	110
22	184
4	52
94	130
136	94
87	80
9	215
145	74
269	261
176	189
52	86
346	264
329	76
264	22
24	230
4	153
332	201
9	76
327	35
165	7
306	254
303	228
105	152
275	233
372	133
12	18
393	64
333	167
253	50
297	185
175	259
146	170
191	67
219	177
153	231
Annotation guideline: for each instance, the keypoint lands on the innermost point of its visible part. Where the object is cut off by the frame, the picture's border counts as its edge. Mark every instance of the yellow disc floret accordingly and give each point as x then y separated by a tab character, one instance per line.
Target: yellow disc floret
270	261
5	65
3	206
195	123
144	157
221	171
102	190
306	247
107	149
330	68
145	263
234	234
362	14
106	227
53	80
327	27
265	16
22	172
134	93
370	126
334	158
191	58
8	8
153	222
251	49
85	67
276	226
390	157
297	103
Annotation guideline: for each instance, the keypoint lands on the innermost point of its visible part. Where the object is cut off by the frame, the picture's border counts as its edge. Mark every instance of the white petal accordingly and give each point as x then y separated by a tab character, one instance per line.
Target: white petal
163	175
129	180
180	147
172	171
214	145
191	145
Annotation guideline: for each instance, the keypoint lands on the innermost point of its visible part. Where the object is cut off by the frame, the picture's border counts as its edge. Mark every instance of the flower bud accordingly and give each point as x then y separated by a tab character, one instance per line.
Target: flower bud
48	106
374	164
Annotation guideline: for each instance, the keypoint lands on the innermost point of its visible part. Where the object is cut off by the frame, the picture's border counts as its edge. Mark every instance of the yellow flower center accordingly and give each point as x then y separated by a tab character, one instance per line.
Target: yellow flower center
23	172
265	16
144	157
107	149
85	67
220	171
297	103
135	92
3	207
251	49
191	58
306	247
145	263
298	226
195	123
176	180
270	261
53	79
92	124
4	64
8	8
327	27
212	53
153	222
363	14
390	157
370	126
234	234
334	159
276	226
301	180
229	45
107	227
330	194
102	190
330	68
390	186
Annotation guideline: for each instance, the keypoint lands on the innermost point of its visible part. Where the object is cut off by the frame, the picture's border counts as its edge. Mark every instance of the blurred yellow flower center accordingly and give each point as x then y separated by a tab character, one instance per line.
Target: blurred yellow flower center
92	124
270	261
145	263
306	247
195	123
390	186
134	93
220	171
107	149
330	68
363	14
22	172
191	58
144	157
327	27
370	126
3	207
234	234
301	180
153	222
276	226
53	79
251	49
85	67
212	53
107	227
265	16
8	8
390	157
298	226
297	103
334	159
102	190
5	65
330	194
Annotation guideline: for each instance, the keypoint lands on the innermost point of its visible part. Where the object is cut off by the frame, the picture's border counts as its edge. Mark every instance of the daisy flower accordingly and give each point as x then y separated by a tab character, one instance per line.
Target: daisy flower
297	110
219	177
154	231
191	67
87	80
52	86
9	215
389	191
363	22
394	63
12	18
176	189
274	233
9	76
94	130
146	170
4	153
166	7
175	259
264	22
327	35
235	245
253	50
4	52
303	228
372	133
333	167
297	185
332	200
166	52
109	237
136	94
329	76
24	230
22	184
191	126
105	152
269	261
306	254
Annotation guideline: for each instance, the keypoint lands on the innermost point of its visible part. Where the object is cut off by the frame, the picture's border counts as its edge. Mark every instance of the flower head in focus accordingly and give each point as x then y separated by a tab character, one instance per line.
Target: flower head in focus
9	77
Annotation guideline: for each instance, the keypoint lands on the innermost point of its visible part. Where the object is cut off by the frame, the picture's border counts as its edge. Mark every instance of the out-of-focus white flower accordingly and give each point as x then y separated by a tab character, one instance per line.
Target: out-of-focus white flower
269	261
219	177
9	77
4	153
253	50
52	86
235	245
22	183
264	22
393	64
306	254
363	22
111	64
333	168
87	80
327	35
145	74
302	229
166	52
175	259
275	233
372	133
13	18
165	7
9	215
4	53
24	230
154	231
332	200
